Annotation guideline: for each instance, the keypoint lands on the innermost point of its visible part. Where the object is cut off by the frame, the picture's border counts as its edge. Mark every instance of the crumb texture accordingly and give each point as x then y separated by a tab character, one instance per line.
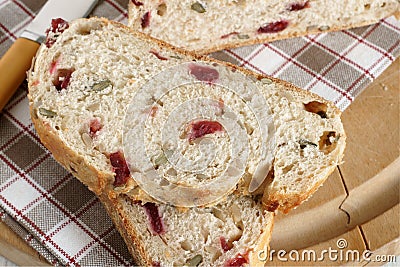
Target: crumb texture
188	24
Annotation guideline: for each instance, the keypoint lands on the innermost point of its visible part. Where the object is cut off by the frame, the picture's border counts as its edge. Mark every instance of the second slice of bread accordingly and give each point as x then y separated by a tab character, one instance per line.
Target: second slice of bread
209	25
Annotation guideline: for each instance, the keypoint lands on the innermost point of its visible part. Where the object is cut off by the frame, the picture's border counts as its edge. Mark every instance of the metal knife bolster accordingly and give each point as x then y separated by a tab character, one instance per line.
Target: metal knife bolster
33	36
67	10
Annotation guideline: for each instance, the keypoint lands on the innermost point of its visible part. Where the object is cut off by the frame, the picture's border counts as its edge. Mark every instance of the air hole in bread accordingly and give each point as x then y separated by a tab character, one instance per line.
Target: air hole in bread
383	4
240	225
287	169
367	6
86	28
236	213
214	252
249	128
83	30
317	108
161	9
93	106
160	103
205	233
240	2
328	141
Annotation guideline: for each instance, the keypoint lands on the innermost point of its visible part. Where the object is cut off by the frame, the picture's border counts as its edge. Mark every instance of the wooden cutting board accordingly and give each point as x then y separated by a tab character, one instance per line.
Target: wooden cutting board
359	203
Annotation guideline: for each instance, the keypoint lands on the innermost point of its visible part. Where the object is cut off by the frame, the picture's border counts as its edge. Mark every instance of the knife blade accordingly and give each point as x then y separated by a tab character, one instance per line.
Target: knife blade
17	60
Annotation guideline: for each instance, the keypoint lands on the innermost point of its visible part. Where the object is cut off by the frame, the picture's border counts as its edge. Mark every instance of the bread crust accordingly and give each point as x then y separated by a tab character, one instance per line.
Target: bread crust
128	233
69	159
287	202
262	245
270	38
116	212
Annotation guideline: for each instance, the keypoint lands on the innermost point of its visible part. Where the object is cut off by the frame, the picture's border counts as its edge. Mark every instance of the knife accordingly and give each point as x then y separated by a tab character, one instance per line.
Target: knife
18	59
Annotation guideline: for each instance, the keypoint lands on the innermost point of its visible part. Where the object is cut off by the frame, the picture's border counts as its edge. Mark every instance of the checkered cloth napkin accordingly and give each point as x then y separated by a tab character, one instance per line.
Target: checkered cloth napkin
63	221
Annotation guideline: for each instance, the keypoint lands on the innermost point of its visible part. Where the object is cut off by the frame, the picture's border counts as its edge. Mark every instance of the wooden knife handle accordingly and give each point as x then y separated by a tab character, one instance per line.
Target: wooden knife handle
13	67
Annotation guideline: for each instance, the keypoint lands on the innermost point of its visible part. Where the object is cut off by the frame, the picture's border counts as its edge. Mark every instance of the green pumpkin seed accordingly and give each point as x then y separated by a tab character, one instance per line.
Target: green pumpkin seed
243	36
176	57
99	86
311	28
266	81
198	7
48	113
160	160
120	188
304	142
195	261
324	28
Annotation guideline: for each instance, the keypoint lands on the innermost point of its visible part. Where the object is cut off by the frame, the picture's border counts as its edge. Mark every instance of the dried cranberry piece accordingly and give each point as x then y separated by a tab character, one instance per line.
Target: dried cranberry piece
137	3
239	260
204	73
120	168
224	244
57	27
298	6
273	27
94	126
228	35
271	206
221	103
53	66
49	42
62	78
153	111
146	20
201	128
157	225
154	52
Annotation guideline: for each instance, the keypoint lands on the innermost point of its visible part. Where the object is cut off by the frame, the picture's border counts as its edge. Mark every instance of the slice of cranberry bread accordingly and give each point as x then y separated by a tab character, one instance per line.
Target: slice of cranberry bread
231	233
95	82
205	26
81	88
